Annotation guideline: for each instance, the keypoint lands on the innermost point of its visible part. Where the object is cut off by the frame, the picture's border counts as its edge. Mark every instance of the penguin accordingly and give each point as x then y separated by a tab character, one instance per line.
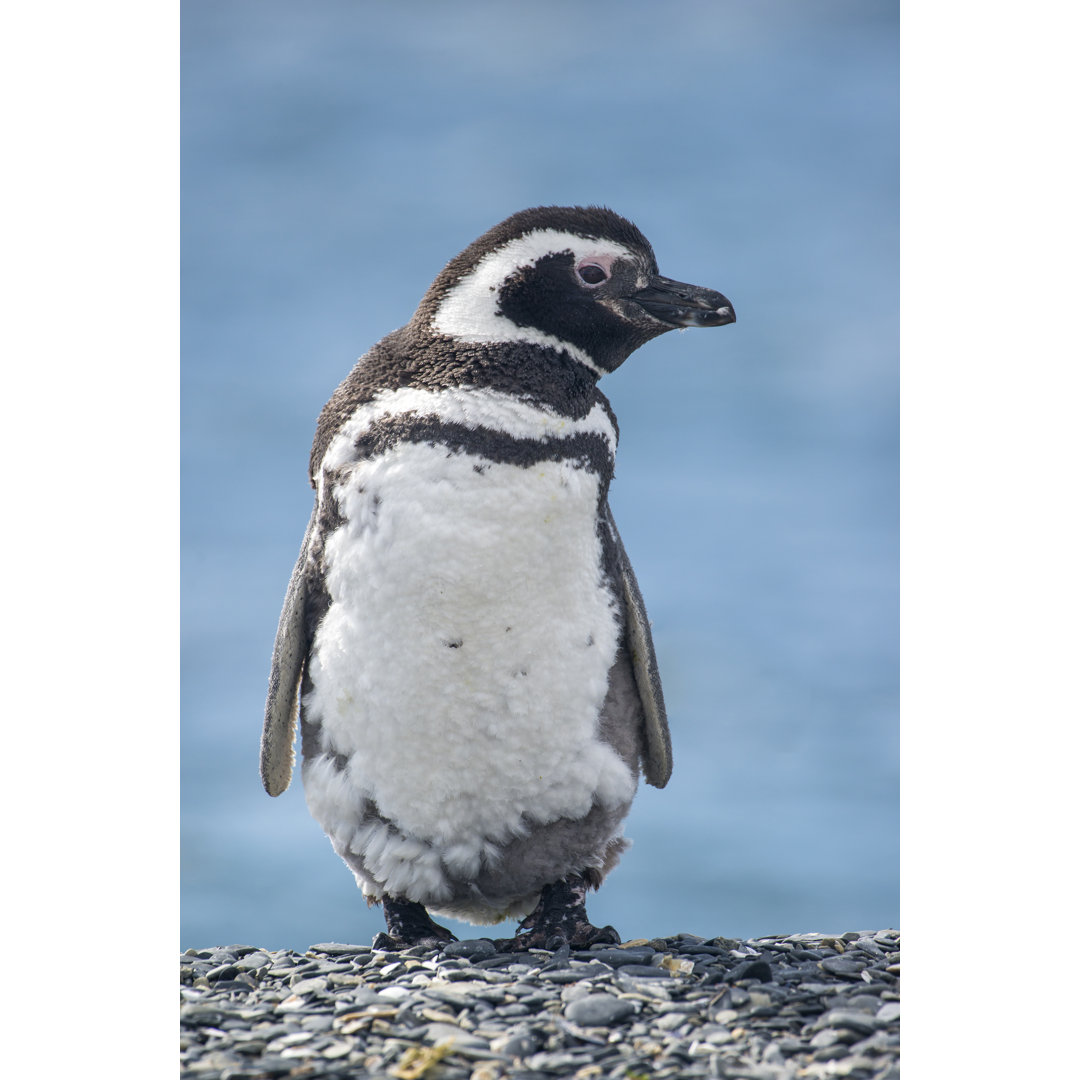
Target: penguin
463	638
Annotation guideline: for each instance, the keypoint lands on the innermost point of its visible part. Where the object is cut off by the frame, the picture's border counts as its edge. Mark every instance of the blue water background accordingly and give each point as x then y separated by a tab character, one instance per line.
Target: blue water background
335	156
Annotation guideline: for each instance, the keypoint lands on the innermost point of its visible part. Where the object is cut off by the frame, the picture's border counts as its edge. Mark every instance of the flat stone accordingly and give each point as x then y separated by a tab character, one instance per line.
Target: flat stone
506	959
647	988
564	975
202	1015
436	1033
826	1037
670	1021
470	949
717	1034
881	1042
515	1044
225	971
867	946
751	969
888	1012
472	976
453	998
253	961
861	1065
838	965
556	1061
644	971
860	1023
336	1049
862	1003
336	948
619	957
295	1038
599	1010
318	1023
512	1011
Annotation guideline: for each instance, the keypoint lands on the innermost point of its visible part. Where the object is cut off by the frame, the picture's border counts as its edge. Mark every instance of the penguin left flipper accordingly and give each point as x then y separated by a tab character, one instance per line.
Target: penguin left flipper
656	760
277	755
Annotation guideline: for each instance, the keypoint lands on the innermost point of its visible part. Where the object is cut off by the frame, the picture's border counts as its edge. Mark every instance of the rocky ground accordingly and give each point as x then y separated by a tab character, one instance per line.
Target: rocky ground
774	1008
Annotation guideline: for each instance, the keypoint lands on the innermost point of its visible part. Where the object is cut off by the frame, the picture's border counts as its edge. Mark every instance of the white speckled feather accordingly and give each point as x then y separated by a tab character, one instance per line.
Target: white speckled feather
464	659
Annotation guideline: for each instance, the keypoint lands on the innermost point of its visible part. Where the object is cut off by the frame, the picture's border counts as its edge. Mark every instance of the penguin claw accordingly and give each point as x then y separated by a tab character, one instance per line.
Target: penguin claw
385	942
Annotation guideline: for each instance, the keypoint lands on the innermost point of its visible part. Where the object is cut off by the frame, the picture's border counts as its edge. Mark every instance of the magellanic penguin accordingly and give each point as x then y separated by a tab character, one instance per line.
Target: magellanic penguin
478	687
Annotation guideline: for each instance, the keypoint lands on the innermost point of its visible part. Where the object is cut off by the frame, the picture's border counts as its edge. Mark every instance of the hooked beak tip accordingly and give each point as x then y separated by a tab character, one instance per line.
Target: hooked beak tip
678	304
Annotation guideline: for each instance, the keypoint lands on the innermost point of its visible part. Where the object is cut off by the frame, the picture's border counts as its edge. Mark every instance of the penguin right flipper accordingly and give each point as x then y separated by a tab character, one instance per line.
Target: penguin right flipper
276	756
656	759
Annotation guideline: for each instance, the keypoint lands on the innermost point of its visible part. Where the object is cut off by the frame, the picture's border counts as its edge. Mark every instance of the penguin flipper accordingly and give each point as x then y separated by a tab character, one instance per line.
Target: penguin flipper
656	759
276	755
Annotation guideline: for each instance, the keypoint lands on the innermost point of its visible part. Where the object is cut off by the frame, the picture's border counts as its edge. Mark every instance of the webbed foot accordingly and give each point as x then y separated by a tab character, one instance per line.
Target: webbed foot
408	924
560	919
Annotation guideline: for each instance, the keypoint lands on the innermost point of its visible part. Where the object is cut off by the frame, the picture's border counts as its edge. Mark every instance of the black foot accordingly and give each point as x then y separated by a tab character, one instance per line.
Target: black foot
560	920
407	924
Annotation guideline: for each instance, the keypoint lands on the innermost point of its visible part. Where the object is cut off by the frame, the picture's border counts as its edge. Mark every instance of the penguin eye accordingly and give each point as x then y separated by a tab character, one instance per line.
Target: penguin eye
592	274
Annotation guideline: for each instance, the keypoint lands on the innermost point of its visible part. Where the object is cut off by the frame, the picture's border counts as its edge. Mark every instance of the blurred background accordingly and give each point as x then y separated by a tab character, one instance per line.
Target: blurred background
335	156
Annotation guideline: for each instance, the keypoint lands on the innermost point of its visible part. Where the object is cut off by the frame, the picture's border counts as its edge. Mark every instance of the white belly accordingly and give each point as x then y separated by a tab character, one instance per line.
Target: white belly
463	661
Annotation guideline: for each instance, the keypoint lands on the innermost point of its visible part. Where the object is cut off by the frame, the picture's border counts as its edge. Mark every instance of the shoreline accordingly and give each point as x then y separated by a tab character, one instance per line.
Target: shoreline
770	1008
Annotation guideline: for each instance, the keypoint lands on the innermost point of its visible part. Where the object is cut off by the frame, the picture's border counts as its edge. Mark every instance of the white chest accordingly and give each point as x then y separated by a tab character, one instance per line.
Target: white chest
463	661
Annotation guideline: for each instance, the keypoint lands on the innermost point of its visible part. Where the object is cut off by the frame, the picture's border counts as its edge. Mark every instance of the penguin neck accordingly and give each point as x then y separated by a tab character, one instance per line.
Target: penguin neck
543	374
413	358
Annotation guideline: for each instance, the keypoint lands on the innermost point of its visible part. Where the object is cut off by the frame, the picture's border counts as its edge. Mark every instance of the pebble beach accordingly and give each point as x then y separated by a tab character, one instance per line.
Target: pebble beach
771	1008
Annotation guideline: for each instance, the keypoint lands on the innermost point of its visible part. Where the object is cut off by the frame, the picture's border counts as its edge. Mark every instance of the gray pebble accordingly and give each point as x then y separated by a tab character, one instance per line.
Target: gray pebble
888	1012
734	998
318	1022
860	1023
620	957
838	965
830	1035
505	960
202	1015
861	1002
556	1062
751	969
471	949
253	961
564	975
644	971
513	1010
599	1010
333	948
515	1044
435	1033
453	998
225	971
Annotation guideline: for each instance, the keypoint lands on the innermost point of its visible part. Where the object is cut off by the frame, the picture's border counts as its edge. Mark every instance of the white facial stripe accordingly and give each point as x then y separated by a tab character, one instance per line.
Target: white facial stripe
469	312
473	408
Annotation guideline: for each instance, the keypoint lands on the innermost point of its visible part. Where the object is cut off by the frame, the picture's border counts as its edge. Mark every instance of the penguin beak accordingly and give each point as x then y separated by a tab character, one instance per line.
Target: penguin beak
678	304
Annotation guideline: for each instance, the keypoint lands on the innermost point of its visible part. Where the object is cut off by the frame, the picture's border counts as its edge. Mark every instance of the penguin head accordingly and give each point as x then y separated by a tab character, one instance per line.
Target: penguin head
580	280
